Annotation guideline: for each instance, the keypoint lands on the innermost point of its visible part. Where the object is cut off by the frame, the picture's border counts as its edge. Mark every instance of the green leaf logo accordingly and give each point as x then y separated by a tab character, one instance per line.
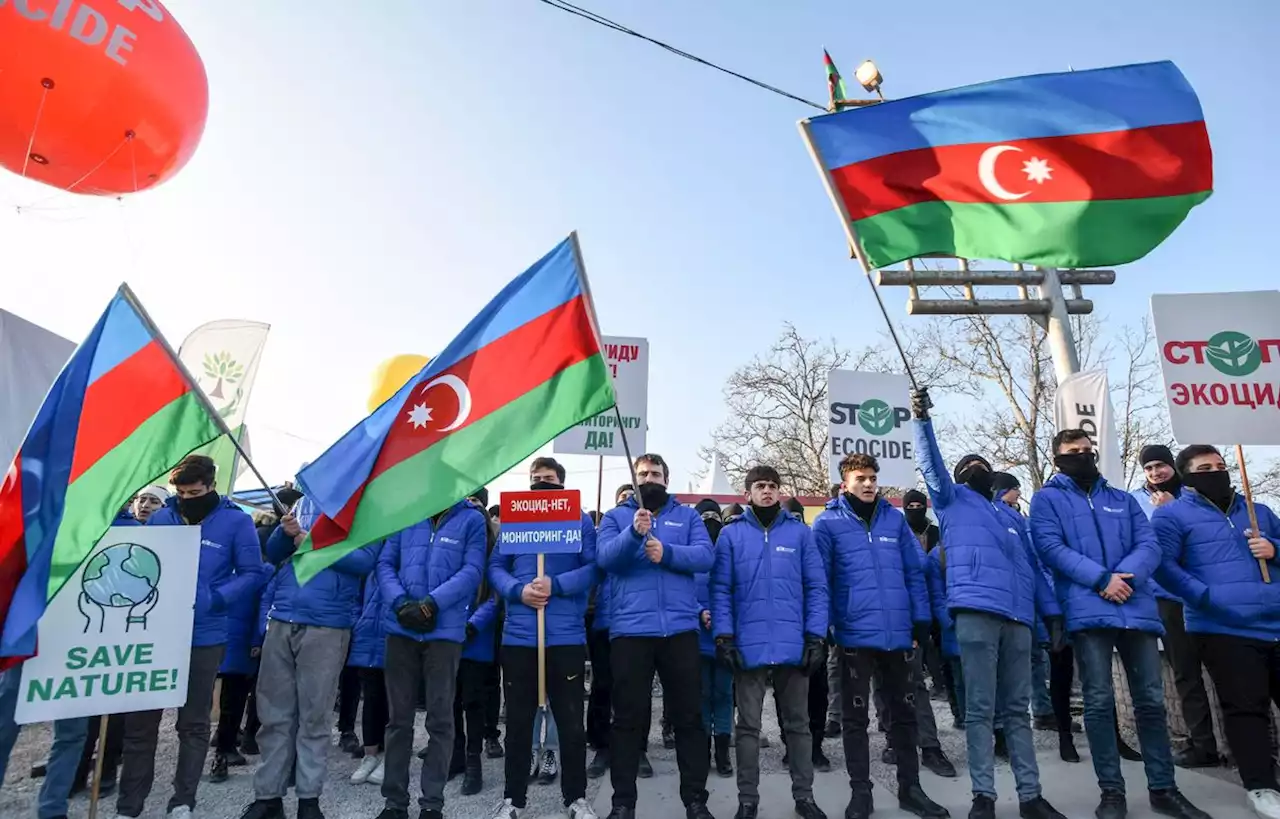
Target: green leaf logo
876	417
1233	353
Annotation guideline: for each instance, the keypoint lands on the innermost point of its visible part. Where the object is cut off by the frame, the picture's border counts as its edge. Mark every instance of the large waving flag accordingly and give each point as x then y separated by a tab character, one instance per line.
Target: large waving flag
523	371
121	412
1074	169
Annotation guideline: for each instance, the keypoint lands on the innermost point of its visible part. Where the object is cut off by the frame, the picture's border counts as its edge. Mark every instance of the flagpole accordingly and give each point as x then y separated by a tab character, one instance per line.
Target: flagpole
129	297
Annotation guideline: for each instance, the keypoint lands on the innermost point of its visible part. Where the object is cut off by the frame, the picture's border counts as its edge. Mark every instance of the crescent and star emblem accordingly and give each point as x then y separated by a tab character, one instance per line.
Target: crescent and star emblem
1036	169
421	413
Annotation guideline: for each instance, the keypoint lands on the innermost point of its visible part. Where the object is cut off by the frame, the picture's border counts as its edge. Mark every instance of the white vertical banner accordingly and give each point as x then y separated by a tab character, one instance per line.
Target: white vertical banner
30	359
628	363
1083	401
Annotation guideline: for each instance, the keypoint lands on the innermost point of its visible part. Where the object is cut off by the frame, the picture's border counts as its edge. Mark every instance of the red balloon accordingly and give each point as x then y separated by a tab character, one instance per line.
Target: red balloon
100	97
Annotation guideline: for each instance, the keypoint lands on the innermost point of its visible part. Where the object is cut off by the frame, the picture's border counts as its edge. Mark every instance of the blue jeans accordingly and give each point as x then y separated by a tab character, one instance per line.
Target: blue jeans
553	735
64	757
1141	659
996	653
1041	705
717	698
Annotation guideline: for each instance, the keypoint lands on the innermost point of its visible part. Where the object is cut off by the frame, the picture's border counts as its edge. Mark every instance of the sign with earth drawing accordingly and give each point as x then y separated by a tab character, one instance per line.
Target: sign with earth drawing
870	414
1220	356
117	636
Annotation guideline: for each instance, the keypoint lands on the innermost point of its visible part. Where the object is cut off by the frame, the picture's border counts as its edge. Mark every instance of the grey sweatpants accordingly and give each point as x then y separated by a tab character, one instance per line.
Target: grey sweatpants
791	686
408	664
297	683
926	725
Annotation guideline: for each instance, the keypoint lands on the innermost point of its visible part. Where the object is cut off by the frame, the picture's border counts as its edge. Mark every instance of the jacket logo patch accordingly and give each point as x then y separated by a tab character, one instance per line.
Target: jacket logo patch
1013	531
1114	511
211	544
453	541
787	549
884	539
673	524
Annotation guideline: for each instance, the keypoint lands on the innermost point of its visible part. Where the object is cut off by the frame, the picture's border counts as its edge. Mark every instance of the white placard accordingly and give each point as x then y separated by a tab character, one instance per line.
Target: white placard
117	637
628	362
870	413
1220	356
1083	401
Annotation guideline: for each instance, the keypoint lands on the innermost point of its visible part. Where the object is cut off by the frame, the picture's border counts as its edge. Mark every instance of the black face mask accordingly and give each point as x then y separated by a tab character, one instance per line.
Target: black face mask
766	514
653	496
713	528
1173	486
917	519
1081	467
1214	486
539	486
861	508
195	510
979	480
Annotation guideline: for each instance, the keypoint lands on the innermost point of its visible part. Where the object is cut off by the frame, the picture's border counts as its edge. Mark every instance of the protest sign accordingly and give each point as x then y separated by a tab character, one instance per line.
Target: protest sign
545	522
116	637
1220	356
628	360
869	415
1083	401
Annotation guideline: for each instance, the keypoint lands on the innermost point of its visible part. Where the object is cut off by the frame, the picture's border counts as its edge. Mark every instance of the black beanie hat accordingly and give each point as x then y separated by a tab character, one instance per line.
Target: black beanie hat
481	495
794	506
965	461
707	505
1002	482
734	510
1155	452
914	496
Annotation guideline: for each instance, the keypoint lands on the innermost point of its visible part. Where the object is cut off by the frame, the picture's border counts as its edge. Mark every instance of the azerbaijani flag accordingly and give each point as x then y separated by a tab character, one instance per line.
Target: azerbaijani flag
121	412
835	83
523	371
1075	169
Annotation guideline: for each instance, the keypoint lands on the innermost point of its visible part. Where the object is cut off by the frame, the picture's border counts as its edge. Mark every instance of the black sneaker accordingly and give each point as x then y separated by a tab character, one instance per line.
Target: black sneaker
423	753
888	757
1197	758
349	742
913	799
473	777
832	729
645	770
933	759
236	759
1038	808
698	810
1067	748
1112	806
599	764
984	807
493	749
250	746
808	809
820	761
861	805
1171	802
1045	722
218	770
265	809
393	813
309	809
747	811
431	813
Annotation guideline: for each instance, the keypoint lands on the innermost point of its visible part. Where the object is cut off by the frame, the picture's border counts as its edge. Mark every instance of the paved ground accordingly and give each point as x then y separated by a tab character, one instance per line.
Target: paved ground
1071	787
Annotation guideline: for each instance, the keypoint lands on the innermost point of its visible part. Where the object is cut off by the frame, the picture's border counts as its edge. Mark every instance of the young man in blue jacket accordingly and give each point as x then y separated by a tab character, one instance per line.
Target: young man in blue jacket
769	611
1102	551
230	568
561	593
879	614
651	547
1210	560
304	652
994	589
428	574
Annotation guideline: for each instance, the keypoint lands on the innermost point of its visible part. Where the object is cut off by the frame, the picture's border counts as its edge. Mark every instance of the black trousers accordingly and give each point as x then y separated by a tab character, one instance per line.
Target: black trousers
679	665
1062	674
600	703
493	702
1184	657
1246	674
373	720
896	675
110	755
348	699
469	701
565	666
232	703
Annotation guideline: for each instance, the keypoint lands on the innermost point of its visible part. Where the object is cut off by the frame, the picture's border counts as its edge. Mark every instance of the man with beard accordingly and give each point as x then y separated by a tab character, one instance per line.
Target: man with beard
880	612
1163	486
993	590
1102	551
651	547
1210	560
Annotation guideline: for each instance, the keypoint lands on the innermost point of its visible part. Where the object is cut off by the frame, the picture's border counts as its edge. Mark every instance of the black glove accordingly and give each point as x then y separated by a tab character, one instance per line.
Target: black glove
920	633
921	403
728	654
430	610
1057	627
814	656
413	617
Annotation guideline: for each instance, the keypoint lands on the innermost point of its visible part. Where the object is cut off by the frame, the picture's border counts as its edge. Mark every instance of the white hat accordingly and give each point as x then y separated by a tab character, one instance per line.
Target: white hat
158	492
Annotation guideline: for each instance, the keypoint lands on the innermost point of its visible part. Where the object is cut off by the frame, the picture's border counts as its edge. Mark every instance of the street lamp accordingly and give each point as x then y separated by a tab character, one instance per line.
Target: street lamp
868	75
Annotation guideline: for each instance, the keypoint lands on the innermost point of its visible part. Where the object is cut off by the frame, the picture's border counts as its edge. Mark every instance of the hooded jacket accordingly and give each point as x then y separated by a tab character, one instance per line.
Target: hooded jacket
442	559
875	576
1207	562
231	567
648	599
990	565
1084	539
768	589
572	577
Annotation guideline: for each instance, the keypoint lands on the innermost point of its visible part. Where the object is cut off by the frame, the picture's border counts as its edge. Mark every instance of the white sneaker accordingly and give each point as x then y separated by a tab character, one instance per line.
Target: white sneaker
375	778
581	809
1265	802
184	812
506	810
367	766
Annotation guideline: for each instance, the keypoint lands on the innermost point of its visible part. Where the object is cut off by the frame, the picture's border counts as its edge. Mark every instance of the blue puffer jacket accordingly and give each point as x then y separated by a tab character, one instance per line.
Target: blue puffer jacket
125	518
875	576
231	565
936	574
654	599
443	561
989	565
600	622
242	631
369	637
706	636
572	578
332	598
1208	564
1144	500
482	647
768	589
1084	539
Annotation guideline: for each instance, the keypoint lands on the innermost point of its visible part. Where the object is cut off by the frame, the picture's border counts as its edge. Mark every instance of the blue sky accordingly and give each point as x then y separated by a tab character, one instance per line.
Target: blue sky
373	173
